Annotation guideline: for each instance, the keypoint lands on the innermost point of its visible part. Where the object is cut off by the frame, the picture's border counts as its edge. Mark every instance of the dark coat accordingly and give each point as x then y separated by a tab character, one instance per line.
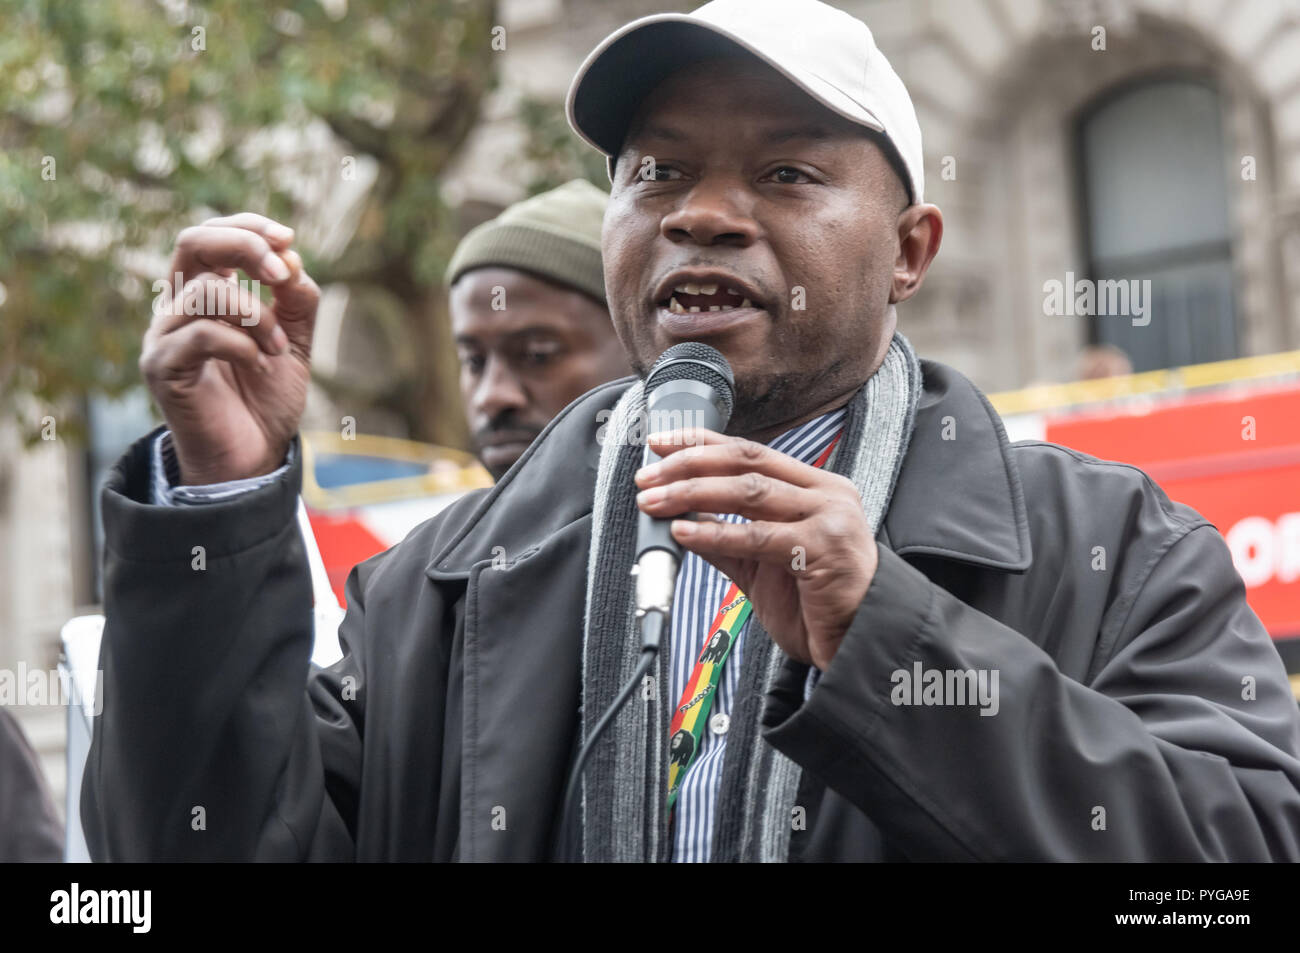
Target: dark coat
30	830
1143	712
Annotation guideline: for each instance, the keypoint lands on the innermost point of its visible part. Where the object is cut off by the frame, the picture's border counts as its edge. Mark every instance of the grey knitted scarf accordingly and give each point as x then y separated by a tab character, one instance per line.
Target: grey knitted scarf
625	787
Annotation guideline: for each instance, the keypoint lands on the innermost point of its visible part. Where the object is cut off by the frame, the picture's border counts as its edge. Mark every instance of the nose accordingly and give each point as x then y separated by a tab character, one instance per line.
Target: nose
498	389
711	214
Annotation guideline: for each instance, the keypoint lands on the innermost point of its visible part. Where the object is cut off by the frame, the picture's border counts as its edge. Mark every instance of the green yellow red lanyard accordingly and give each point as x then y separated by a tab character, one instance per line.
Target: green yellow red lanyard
692	712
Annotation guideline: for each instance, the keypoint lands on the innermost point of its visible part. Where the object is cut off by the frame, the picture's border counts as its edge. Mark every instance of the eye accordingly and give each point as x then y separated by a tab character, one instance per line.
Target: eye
472	363
789	175
650	171
536	356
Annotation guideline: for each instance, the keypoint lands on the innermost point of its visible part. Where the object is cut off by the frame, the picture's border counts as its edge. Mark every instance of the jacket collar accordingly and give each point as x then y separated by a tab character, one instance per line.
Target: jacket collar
958	494
549	487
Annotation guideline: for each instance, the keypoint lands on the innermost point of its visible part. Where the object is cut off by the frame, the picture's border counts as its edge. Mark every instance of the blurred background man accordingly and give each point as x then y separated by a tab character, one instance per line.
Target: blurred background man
1102	361
529	318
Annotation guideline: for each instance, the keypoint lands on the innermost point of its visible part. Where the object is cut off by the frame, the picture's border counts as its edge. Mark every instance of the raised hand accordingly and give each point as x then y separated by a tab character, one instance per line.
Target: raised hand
230	376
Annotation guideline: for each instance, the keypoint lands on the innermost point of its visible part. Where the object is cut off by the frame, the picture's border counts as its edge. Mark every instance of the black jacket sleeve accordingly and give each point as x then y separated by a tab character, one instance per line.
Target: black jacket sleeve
30	830
216	741
1184	745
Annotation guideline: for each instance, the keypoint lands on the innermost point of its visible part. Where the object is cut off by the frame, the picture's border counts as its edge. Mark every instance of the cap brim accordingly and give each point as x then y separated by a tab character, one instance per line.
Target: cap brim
618	75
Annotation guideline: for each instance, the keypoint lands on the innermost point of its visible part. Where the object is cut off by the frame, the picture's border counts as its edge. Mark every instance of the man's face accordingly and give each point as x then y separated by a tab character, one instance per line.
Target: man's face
774	217
527	348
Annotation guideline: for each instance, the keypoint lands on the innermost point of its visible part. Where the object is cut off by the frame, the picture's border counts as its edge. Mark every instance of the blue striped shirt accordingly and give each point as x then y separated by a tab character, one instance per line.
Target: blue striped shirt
700	589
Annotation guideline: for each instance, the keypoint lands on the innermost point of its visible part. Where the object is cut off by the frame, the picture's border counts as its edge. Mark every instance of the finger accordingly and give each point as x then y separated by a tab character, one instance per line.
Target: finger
185	350
294	261
295	303
278	236
169	310
735	569
218	249
694	452
752	495
224	299
759	540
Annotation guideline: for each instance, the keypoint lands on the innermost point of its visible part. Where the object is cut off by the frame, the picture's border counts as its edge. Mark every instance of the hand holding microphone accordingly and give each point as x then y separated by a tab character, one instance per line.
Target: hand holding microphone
794	509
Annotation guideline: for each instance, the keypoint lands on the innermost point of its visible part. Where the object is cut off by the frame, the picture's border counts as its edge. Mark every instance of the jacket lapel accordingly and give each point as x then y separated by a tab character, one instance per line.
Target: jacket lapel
958	494
522	665
523	553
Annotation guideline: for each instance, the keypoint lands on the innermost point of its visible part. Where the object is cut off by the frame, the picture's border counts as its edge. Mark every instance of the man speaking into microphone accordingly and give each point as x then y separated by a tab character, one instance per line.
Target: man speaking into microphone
887	638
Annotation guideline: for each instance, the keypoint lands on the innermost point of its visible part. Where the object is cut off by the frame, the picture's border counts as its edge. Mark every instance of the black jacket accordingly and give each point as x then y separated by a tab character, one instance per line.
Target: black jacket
1143	712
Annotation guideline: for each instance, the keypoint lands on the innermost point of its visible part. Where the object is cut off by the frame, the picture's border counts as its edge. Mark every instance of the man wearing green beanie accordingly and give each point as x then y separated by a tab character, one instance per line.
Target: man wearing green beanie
528	313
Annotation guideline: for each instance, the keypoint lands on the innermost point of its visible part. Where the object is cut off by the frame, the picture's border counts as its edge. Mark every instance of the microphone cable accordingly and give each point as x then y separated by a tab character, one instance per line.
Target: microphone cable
652	629
690	382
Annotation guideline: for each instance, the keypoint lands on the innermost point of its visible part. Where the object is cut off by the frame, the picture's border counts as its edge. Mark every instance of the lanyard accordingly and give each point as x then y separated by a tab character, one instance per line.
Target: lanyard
692	712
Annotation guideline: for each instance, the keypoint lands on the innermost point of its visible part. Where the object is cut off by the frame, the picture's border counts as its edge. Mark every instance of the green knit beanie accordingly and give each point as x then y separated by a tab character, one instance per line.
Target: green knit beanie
555	235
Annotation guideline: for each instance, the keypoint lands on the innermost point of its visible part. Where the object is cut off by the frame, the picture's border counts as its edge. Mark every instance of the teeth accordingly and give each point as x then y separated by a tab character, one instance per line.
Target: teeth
706	288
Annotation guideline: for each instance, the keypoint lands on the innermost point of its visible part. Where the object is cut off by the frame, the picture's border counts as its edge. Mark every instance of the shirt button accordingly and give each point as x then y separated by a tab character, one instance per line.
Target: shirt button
719	724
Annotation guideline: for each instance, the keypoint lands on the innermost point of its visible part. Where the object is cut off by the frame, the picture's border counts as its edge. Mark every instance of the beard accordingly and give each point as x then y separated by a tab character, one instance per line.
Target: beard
765	403
768	401
507	425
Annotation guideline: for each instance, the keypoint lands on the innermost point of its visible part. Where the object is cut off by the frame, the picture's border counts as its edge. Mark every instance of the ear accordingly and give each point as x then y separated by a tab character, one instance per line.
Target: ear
920	230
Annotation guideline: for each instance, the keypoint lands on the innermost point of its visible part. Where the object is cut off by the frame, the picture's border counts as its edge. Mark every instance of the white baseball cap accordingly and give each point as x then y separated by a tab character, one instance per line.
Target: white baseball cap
827	53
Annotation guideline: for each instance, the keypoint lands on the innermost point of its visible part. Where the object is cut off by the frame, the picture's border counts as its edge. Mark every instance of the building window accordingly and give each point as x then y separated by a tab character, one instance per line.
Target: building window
1155	207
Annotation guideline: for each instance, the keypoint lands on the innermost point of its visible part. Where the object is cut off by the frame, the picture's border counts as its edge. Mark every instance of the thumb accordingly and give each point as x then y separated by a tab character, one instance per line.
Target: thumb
295	300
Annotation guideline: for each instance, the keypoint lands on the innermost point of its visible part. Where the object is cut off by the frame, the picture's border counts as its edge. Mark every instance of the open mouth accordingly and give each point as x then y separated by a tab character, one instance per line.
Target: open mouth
690	305
692	297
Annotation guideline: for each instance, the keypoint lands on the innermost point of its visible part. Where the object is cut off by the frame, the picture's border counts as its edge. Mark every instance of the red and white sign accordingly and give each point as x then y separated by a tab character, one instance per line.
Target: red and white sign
1233	455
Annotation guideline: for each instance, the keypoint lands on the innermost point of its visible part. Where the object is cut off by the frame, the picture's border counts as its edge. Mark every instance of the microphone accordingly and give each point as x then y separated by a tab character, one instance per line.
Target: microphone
691	385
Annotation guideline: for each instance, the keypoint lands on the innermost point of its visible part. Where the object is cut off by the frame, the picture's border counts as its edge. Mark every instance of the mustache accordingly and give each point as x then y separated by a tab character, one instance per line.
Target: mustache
507	425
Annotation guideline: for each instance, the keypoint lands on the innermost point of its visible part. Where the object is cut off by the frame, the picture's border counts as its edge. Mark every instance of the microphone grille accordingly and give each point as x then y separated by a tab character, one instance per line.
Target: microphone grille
694	361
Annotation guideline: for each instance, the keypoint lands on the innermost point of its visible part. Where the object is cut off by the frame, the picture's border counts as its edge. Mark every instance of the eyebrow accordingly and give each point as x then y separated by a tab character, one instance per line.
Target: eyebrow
658	132
775	136
798	132
532	330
